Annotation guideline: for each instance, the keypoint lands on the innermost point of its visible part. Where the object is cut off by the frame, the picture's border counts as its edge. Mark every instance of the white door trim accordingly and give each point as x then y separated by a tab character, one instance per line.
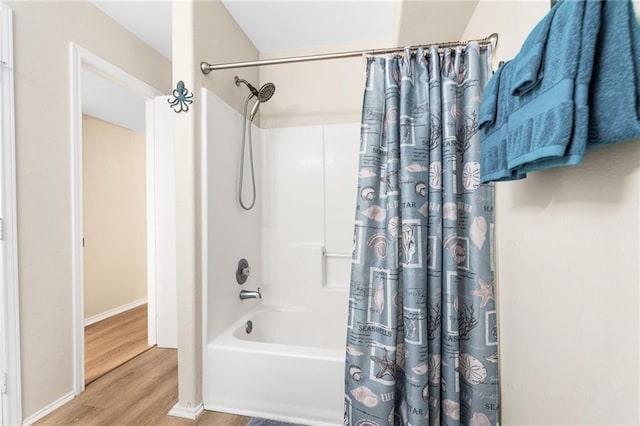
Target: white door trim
9	295
83	59
149	134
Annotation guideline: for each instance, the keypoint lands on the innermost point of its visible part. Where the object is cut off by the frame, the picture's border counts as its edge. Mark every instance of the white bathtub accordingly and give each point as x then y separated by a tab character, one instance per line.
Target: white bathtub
290	368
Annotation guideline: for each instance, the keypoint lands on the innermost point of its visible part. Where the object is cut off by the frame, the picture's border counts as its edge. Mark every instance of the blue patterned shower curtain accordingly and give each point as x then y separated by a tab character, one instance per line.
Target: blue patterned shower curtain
422	344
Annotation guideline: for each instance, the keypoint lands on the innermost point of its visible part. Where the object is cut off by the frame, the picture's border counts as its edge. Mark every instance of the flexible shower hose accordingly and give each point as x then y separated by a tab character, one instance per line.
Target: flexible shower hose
247	123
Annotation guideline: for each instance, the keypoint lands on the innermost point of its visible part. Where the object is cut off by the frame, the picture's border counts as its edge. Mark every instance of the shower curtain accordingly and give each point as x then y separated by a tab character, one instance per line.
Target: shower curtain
422	331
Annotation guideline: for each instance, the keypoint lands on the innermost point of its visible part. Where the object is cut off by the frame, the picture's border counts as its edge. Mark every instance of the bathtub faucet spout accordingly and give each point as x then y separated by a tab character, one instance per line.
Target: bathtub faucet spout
247	294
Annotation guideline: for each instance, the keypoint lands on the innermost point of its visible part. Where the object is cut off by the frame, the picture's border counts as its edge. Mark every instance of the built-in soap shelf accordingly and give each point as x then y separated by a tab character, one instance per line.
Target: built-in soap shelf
333	268
337	255
336	270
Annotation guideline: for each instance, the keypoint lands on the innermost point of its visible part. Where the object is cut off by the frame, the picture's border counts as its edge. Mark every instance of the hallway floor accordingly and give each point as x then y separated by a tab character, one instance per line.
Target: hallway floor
139	392
114	341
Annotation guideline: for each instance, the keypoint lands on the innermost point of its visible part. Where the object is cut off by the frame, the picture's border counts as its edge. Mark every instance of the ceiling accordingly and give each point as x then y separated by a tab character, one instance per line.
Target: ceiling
149	20
283	25
272	25
109	102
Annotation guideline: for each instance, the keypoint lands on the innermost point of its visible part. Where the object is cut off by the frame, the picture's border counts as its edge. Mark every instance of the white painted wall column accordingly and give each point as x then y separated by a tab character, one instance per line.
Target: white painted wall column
219	39
189	285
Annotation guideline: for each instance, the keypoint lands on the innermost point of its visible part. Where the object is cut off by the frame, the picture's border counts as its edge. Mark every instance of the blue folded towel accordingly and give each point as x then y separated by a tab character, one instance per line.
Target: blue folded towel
615	84
489	104
568	94
494	112
577	145
529	67
542	120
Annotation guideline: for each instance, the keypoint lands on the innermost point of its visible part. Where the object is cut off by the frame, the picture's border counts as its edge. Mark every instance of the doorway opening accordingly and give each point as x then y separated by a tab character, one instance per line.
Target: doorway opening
114	231
123	217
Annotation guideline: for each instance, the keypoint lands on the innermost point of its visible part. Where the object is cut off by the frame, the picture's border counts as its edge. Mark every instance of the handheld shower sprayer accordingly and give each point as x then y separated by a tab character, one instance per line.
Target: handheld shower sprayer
263	95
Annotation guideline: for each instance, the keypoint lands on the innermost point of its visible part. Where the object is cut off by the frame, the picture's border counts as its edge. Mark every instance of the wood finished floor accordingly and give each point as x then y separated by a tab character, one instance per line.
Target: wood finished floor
114	341
140	392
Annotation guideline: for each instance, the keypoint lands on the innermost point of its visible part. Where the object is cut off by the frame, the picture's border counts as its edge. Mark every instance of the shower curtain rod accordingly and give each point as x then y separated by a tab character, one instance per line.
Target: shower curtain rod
207	68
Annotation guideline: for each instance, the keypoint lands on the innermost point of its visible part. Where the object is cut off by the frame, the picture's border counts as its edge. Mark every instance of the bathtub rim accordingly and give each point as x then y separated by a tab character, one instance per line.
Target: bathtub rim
227	340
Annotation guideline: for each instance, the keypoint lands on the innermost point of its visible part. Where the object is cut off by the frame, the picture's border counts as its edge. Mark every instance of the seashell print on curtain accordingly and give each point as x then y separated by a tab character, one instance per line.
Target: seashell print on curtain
422	332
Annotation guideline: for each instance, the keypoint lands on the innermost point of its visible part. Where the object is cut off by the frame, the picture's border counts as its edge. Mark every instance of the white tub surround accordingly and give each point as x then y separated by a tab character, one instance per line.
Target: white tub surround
298	240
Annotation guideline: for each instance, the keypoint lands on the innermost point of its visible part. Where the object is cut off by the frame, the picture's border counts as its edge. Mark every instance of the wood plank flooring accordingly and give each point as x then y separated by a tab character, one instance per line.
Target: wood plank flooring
114	341
140	392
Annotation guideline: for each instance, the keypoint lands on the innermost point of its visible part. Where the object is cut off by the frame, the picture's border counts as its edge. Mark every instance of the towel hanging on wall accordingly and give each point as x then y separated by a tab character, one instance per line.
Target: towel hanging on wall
562	96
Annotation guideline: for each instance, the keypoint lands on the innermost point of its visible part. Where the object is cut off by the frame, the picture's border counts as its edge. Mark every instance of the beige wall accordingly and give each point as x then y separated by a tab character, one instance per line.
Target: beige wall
202	31
328	92
321	92
219	39
114	198
433	21
567	244
42	32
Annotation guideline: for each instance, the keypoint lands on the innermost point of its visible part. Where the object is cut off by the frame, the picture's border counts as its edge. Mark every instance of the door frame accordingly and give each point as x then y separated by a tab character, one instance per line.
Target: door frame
10	372
84	59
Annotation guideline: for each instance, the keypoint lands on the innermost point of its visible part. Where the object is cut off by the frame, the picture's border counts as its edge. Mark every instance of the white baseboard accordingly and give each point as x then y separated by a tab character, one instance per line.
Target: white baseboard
190	413
48	409
113	312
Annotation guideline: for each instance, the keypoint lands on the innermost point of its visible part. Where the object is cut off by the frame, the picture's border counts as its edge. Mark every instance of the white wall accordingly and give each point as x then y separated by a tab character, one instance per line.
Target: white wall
309	187
165	225
567	244
306	182
309	184
231	232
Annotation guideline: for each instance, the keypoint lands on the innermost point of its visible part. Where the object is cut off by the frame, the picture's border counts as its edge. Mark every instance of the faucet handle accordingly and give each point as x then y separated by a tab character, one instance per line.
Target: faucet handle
242	271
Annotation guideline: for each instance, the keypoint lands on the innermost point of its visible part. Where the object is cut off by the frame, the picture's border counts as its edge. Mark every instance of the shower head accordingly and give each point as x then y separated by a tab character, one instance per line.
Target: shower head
239	80
264	94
